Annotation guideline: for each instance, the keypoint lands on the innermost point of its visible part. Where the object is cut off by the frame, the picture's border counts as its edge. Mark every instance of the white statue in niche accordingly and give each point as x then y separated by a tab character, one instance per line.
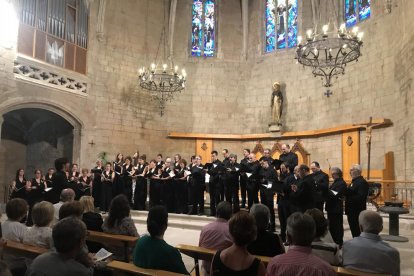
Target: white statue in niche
276	104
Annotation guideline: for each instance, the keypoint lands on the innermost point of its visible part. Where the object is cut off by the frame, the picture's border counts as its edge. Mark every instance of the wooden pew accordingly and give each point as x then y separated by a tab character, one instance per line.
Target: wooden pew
341	271
133	269
200	253
24	250
112	239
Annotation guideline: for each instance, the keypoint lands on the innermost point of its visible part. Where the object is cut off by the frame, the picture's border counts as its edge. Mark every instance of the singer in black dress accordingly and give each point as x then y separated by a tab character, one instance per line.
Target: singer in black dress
18	186
35	193
118	185
97	183
106	192
84	184
127	172
140	193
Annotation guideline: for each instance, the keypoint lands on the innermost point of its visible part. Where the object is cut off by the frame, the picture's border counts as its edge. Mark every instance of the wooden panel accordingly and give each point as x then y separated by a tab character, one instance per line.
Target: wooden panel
80	65
70	56
40	48
25	40
350	151
204	148
308	133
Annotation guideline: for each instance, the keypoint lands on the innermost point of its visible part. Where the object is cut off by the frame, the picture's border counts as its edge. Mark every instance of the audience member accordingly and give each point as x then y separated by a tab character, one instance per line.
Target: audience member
12	228
4	269
236	260
69	238
67	195
119	222
69	209
326	251
40	234
267	243
151	251
381	258
299	260
92	220
216	235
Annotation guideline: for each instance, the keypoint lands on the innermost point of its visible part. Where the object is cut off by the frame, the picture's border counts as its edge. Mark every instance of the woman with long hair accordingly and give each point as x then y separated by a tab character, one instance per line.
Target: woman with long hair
18	185
35	193
118	186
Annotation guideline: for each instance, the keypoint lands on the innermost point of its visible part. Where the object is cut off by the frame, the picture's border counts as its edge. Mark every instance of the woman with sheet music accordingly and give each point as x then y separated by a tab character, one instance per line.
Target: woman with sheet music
118	186
106	192
180	187
153	174
140	193
84	184
18	186
97	182
127	172
35	193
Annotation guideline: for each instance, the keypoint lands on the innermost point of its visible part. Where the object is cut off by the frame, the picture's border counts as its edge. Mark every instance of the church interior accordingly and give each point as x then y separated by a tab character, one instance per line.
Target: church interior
89	79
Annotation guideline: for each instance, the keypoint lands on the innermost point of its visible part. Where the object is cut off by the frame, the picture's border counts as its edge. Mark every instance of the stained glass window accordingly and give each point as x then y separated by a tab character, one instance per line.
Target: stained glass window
270	26
292	23
350	12
364	7
355	13
281	24
203	40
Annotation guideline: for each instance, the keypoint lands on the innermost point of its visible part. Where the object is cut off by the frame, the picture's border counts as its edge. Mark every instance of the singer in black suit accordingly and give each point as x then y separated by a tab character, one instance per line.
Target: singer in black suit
356	199
304	192
334	206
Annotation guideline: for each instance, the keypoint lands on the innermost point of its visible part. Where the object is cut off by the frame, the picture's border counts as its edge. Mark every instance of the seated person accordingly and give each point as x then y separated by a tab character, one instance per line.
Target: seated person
67	195
4	269
119	222
69	238
267	243
40	234
216	235
299	260
92	220
368	252
151	251
68	209
12	228
326	251
236	260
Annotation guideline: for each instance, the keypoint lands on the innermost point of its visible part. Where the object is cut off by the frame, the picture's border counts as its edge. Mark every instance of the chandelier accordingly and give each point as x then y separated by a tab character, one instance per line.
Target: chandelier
162	82
328	53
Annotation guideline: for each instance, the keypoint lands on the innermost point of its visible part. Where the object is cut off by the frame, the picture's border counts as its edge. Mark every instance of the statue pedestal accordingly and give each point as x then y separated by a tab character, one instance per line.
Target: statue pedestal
274	128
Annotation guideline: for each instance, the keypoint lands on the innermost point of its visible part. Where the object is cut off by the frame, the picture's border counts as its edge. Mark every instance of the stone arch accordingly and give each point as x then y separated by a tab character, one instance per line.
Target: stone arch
53	107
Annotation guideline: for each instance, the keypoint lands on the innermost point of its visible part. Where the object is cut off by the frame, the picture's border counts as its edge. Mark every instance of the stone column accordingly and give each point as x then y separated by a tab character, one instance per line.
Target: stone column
76	145
100	34
3	180
171	24
245	21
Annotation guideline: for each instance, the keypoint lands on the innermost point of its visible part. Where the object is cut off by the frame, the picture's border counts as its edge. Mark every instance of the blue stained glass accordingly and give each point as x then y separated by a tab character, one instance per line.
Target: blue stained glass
350	12
292	23
364	9
281	23
270	26
209	26
197	30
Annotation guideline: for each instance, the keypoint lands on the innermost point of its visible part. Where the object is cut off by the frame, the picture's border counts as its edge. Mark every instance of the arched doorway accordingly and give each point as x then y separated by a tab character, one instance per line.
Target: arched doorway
33	137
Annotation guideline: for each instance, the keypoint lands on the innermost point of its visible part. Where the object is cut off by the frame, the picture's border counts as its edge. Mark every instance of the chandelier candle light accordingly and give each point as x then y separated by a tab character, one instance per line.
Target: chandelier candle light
162	83
329	52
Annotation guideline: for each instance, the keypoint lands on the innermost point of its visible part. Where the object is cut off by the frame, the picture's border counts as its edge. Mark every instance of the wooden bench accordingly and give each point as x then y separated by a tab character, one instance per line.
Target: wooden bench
112	239
201	253
24	250
133	269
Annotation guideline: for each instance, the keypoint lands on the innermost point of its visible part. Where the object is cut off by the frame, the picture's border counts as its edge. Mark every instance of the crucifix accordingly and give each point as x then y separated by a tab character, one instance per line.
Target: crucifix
92	143
368	134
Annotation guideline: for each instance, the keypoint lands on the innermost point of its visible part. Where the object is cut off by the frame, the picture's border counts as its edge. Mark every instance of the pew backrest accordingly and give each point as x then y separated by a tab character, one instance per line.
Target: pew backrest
21	249
341	271
133	269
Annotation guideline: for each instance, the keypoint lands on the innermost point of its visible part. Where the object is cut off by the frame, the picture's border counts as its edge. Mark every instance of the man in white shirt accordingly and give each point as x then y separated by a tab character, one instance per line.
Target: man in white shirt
67	195
368	252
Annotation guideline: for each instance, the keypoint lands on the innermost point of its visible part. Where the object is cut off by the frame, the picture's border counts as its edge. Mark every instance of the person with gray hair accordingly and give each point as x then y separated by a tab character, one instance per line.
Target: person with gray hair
299	260
267	243
356	198
67	195
216	235
69	238
383	258
334	206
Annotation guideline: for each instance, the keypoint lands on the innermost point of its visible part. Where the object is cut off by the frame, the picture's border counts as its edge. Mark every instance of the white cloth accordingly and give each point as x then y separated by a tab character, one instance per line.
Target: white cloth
57	208
39	236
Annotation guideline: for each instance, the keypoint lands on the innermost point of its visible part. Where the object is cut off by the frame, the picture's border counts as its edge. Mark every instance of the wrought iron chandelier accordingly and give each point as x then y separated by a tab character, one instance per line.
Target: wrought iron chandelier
328	53
162	82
